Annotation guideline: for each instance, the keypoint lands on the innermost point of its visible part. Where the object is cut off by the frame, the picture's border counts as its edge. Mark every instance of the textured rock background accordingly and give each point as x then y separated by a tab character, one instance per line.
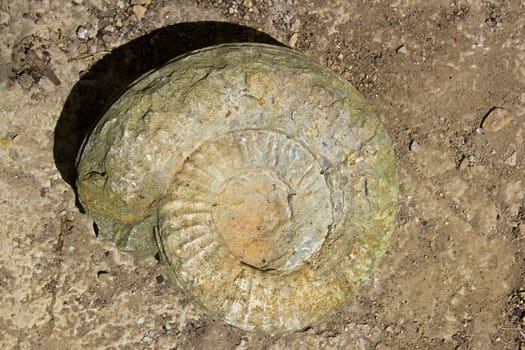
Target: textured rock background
434	71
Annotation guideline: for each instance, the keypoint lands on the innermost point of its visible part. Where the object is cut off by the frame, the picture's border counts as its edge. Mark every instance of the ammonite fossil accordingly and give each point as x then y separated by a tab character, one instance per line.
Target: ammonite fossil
263	180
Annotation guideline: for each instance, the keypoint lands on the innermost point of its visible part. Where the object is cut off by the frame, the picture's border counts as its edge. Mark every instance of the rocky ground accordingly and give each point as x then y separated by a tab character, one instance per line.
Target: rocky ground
447	78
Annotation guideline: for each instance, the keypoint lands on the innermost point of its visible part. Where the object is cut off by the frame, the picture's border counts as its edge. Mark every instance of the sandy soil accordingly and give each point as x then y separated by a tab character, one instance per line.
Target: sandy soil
447	78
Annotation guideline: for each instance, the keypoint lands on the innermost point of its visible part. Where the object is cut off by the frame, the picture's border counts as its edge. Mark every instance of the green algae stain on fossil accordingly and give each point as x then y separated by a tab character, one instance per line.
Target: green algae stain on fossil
263	180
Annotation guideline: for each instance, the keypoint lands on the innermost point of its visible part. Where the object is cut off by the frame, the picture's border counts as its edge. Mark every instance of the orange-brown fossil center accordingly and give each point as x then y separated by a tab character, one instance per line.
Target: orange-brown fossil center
249	211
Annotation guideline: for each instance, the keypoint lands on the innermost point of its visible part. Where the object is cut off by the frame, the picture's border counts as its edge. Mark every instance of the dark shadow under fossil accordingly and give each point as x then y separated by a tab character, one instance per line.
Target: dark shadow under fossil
108	78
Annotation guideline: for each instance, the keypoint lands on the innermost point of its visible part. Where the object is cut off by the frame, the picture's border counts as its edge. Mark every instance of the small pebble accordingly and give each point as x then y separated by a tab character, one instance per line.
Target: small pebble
463	164
139	11
496	119
402	49
231	10
293	40
123	31
109	28
81	33
413	146
248	3
512	160
140	320
103	276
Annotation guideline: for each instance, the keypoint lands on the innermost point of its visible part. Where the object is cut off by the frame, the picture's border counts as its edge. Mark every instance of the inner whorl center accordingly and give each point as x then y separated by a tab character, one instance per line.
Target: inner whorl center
249	212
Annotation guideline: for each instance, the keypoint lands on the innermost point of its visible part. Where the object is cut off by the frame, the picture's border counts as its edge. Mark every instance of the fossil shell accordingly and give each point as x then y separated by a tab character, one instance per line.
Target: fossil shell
264	181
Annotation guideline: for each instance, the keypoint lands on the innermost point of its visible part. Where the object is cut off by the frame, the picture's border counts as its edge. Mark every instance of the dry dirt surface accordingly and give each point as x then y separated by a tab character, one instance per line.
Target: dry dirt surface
447	78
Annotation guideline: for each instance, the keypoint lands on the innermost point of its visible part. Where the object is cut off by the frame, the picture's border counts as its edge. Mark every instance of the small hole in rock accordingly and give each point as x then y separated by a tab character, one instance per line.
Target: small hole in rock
101	274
